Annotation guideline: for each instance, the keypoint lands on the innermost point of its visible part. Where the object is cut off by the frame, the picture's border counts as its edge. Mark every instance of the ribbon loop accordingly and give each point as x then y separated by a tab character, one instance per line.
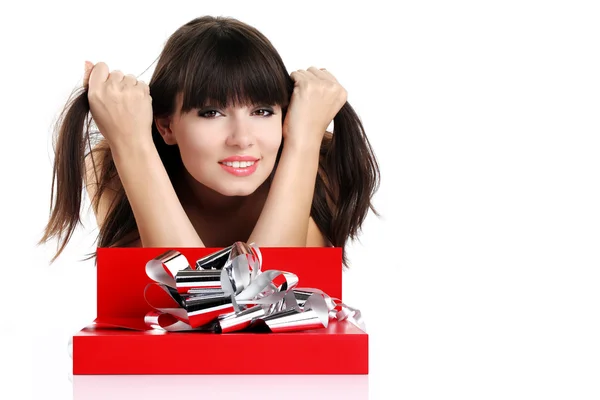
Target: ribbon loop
226	292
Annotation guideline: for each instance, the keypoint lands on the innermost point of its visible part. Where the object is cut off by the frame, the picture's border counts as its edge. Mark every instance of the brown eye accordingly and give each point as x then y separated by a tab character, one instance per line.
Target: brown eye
264	110
207	113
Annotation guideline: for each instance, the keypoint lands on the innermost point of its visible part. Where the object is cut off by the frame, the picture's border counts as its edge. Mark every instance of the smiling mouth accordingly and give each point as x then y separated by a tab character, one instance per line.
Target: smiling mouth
238	164
240	168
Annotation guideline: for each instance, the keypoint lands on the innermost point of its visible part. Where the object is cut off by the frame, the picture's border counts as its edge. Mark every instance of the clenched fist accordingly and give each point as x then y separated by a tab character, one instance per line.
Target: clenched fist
316	100
121	105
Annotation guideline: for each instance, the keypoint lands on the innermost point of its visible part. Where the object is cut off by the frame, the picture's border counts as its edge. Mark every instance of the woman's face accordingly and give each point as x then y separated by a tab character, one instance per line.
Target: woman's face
232	150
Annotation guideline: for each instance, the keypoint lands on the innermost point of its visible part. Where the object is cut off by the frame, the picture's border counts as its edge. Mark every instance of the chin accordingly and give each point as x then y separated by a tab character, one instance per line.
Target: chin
237	189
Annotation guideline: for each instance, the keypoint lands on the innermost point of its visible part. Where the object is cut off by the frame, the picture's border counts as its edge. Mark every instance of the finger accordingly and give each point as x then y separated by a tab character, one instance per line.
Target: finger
296	74
310	74
330	75
87	71
130	80
322	73
301	76
98	75
317	73
144	86
116	76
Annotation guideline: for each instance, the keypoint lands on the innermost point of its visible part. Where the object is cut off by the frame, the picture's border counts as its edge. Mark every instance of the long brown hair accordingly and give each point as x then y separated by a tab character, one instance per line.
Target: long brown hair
227	62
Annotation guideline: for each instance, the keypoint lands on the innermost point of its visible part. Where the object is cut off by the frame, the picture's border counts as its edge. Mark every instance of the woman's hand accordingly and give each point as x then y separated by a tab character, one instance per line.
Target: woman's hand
316	100
121	105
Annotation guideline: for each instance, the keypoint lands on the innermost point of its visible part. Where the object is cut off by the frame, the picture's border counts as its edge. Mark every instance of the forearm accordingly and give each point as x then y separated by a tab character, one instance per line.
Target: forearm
159	215
285	215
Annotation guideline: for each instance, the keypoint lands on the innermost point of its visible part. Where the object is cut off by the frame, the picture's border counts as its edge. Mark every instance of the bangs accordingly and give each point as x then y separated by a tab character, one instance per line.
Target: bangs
226	68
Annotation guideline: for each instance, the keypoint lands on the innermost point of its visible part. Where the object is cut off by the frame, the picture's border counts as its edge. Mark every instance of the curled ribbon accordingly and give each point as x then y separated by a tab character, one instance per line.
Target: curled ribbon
226	292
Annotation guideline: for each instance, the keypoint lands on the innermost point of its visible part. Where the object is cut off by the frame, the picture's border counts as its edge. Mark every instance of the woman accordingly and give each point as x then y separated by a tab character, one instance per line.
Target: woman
223	145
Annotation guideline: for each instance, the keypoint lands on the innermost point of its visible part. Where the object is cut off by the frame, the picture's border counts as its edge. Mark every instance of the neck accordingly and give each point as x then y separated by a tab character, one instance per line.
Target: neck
213	204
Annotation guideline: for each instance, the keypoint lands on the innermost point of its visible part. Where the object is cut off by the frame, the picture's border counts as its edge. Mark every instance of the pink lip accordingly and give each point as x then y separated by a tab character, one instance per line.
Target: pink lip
240	171
239	158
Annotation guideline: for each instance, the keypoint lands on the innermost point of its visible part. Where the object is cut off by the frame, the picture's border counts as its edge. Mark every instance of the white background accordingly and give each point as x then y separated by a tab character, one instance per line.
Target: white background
481	278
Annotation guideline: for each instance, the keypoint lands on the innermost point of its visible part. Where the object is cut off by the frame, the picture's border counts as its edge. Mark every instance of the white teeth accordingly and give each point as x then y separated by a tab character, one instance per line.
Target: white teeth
239	164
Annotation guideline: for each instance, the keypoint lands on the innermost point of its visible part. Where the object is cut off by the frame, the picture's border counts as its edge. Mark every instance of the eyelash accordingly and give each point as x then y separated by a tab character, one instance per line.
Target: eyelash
203	112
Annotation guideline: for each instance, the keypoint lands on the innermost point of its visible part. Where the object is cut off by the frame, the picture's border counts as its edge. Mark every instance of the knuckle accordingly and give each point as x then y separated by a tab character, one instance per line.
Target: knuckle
115	75
344	96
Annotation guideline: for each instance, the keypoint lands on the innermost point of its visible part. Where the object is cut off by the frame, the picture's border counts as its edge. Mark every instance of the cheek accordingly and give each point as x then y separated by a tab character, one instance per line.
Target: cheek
271	142
196	148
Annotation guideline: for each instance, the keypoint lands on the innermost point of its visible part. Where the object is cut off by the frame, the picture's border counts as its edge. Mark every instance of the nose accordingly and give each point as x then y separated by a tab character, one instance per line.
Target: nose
240	135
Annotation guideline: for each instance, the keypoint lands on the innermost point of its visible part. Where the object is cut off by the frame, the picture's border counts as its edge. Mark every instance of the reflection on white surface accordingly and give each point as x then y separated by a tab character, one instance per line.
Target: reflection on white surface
223	387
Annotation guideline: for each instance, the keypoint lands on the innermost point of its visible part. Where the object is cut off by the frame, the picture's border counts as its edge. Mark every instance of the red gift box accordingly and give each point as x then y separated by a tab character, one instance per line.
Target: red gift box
103	348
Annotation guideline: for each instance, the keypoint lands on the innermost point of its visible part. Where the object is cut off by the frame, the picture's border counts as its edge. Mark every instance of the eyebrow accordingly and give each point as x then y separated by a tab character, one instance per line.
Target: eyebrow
209	105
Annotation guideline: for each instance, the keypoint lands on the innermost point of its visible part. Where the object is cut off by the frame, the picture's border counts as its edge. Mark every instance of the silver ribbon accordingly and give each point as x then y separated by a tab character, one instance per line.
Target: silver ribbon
226	292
